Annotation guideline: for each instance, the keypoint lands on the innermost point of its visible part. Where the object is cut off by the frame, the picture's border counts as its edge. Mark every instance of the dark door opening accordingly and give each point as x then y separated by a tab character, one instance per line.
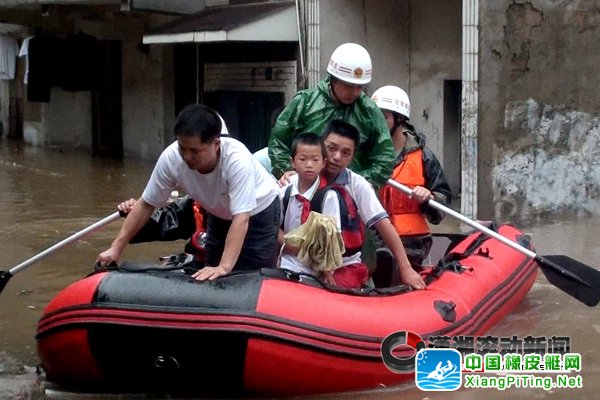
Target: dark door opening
15	113
452	134
107	134
249	115
16	91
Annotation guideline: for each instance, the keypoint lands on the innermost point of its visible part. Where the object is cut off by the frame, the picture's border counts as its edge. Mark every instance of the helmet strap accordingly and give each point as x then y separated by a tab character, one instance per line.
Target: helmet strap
398	121
333	80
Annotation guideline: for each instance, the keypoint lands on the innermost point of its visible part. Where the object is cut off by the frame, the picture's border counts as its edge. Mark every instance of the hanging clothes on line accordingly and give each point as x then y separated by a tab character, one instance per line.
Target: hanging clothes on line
9	48
24	53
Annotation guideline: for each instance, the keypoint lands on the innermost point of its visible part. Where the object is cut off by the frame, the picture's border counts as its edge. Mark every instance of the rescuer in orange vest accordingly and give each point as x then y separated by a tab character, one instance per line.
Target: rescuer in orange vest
416	166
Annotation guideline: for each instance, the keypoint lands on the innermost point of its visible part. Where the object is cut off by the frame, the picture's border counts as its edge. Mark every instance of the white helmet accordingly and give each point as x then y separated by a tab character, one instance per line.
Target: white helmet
392	98
351	63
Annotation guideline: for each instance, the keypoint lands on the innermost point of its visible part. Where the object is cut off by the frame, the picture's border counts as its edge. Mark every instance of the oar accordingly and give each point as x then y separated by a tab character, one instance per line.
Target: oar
571	276
6	275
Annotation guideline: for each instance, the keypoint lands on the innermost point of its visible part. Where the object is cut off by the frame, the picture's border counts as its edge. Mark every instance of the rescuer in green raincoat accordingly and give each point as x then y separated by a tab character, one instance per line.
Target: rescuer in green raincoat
339	96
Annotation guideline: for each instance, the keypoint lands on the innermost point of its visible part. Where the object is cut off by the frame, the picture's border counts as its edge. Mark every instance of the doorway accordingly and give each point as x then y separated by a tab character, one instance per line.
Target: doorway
452	134
249	115
107	134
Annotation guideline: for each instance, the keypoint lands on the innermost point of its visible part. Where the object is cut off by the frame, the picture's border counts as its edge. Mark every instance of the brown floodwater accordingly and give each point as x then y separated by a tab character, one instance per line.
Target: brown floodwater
48	194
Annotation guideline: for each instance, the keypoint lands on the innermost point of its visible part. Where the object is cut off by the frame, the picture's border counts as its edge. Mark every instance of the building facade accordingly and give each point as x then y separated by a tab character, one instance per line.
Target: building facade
501	89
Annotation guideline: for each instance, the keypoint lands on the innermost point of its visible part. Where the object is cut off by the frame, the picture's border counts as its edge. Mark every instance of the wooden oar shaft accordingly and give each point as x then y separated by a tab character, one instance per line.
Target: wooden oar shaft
82	233
468	221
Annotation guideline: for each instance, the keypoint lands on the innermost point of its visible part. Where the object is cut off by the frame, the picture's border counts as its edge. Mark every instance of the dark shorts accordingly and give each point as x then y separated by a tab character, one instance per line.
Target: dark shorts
386	273
260	245
416	247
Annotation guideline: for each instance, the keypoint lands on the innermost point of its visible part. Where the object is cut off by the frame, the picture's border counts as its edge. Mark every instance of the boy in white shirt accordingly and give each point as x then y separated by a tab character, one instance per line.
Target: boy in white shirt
240	197
308	159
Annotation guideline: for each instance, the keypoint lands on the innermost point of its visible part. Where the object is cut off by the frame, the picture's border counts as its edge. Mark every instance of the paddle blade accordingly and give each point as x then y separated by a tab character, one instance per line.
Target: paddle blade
4	277
560	269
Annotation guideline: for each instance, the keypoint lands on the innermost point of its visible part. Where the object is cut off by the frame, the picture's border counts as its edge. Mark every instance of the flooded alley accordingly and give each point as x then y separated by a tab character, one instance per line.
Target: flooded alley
48	194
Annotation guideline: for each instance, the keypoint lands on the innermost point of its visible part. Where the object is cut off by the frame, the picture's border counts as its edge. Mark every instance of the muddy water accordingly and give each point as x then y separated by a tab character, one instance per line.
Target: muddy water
49	194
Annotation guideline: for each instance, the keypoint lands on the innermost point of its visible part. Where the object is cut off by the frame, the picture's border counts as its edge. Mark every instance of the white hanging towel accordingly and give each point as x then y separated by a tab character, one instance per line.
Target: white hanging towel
24	52
9	49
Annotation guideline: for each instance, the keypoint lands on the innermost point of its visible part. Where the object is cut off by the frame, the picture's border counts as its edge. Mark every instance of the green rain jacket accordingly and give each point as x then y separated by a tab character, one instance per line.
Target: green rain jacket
312	109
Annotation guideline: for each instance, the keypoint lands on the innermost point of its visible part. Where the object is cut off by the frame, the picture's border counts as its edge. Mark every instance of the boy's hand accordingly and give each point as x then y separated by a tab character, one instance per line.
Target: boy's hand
292	250
328	278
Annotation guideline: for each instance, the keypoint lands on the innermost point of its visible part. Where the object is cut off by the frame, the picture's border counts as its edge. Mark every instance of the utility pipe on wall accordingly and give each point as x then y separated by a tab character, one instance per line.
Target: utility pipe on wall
301	42
314	42
470	107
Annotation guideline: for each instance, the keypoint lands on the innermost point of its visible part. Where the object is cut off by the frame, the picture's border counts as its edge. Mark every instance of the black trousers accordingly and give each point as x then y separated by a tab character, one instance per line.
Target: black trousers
260	245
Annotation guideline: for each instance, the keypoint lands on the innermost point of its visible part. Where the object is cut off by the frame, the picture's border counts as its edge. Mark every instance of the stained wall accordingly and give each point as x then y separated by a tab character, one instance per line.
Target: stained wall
538	117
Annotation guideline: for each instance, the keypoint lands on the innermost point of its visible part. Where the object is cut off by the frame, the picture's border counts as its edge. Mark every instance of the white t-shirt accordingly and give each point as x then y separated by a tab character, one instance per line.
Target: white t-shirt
24	52
9	48
238	183
369	208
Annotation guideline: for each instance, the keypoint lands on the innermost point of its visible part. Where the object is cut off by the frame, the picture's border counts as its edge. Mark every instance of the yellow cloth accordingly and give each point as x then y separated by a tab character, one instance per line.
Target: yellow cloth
320	242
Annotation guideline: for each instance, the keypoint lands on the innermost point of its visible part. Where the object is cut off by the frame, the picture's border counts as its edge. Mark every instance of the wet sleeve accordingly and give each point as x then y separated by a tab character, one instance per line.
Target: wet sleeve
162	181
380	161
282	134
241	186
436	182
331	207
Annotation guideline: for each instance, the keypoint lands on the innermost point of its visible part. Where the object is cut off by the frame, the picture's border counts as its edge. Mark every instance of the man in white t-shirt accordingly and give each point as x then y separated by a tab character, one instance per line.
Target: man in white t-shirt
240	198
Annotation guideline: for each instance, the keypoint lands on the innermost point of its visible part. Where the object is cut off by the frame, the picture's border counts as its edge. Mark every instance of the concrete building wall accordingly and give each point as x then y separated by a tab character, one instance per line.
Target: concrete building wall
435	57
147	92
388	41
252	77
539	126
374	24
72	128
148	104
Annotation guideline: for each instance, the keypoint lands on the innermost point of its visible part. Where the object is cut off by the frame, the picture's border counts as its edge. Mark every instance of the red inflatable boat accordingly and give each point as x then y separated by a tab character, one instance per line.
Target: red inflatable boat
266	332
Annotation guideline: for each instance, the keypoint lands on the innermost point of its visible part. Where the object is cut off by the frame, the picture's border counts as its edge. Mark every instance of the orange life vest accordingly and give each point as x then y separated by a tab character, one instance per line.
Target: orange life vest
197	242
198	217
404	212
